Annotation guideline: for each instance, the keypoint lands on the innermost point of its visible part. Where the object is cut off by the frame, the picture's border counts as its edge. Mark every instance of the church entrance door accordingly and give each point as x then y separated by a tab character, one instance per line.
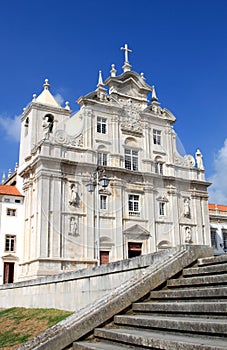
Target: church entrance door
134	249
8	272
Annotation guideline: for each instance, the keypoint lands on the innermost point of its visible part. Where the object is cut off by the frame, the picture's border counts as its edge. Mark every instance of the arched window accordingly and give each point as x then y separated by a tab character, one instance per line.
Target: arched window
158	165
102	156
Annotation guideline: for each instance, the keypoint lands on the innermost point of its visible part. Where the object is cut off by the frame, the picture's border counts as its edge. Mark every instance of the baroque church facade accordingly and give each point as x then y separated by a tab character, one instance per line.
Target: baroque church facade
146	195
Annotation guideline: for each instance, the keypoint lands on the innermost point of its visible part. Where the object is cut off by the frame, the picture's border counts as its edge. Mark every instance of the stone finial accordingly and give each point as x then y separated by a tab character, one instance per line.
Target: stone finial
34	97
142	76
9	173
3	177
16	167
67	105
154	96
100	81
113	70
46	85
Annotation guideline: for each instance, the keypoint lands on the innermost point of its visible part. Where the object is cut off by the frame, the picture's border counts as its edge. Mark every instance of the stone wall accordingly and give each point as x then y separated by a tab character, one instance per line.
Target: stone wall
75	290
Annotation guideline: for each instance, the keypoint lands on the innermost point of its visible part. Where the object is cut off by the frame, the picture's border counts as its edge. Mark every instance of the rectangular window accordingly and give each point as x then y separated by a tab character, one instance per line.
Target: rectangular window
157	137
224	235
213	236
10	243
10	212
102	159
7	200
131	159
103	202
162	208
101	125
133	204
17	200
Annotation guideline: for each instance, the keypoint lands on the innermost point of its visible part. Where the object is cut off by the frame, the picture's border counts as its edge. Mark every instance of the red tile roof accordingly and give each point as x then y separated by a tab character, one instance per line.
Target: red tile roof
9	190
217	207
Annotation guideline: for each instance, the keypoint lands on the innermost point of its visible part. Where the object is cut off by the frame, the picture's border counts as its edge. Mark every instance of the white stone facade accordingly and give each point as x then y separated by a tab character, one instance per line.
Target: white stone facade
155	199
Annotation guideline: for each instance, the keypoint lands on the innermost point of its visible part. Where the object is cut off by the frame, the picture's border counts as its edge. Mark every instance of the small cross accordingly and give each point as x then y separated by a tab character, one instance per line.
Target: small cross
126	50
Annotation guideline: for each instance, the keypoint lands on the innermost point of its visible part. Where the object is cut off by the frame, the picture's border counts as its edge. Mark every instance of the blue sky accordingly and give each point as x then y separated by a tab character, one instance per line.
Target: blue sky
180	45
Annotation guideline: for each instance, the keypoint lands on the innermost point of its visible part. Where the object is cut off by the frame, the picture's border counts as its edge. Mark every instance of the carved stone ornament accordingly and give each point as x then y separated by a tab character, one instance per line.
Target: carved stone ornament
131	117
62	138
187	160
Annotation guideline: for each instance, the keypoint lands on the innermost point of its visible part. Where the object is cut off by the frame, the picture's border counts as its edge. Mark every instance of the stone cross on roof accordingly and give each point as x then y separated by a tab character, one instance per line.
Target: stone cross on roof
126	67
126	50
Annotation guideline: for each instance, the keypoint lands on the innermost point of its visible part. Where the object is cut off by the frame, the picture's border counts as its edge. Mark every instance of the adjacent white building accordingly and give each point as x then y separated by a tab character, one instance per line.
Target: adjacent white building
218	227
11	223
155	198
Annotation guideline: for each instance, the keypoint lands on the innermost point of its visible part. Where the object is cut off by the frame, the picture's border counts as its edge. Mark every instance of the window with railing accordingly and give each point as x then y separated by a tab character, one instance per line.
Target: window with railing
102	159
159	168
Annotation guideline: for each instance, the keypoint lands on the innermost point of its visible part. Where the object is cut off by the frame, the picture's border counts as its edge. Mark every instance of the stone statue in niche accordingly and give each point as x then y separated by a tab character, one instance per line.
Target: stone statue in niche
47	125
188	235
73	227
74	197
187	208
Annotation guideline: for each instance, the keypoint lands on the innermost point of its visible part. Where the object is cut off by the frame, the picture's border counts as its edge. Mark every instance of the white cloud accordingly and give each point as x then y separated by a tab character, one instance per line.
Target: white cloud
218	189
58	97
11	127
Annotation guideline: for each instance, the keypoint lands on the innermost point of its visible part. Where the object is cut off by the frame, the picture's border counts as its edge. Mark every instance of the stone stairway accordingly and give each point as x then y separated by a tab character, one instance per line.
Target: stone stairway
188	313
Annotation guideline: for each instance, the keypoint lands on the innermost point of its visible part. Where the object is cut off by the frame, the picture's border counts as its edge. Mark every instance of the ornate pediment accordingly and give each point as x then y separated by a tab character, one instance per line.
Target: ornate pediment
137	232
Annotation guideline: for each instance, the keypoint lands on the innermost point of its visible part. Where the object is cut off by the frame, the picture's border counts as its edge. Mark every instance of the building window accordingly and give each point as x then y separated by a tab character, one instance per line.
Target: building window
10	243
10	212
103	202
159	168
101	125
224	235
17	201
162	208
7	200
131	159
133	204
157	137
213	236
102	159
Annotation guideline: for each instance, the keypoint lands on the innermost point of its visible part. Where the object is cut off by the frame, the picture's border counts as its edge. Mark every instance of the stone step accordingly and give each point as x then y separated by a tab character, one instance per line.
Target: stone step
182	324
212	260
197	281
205	270
94	345
182	307
190	293
157	340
